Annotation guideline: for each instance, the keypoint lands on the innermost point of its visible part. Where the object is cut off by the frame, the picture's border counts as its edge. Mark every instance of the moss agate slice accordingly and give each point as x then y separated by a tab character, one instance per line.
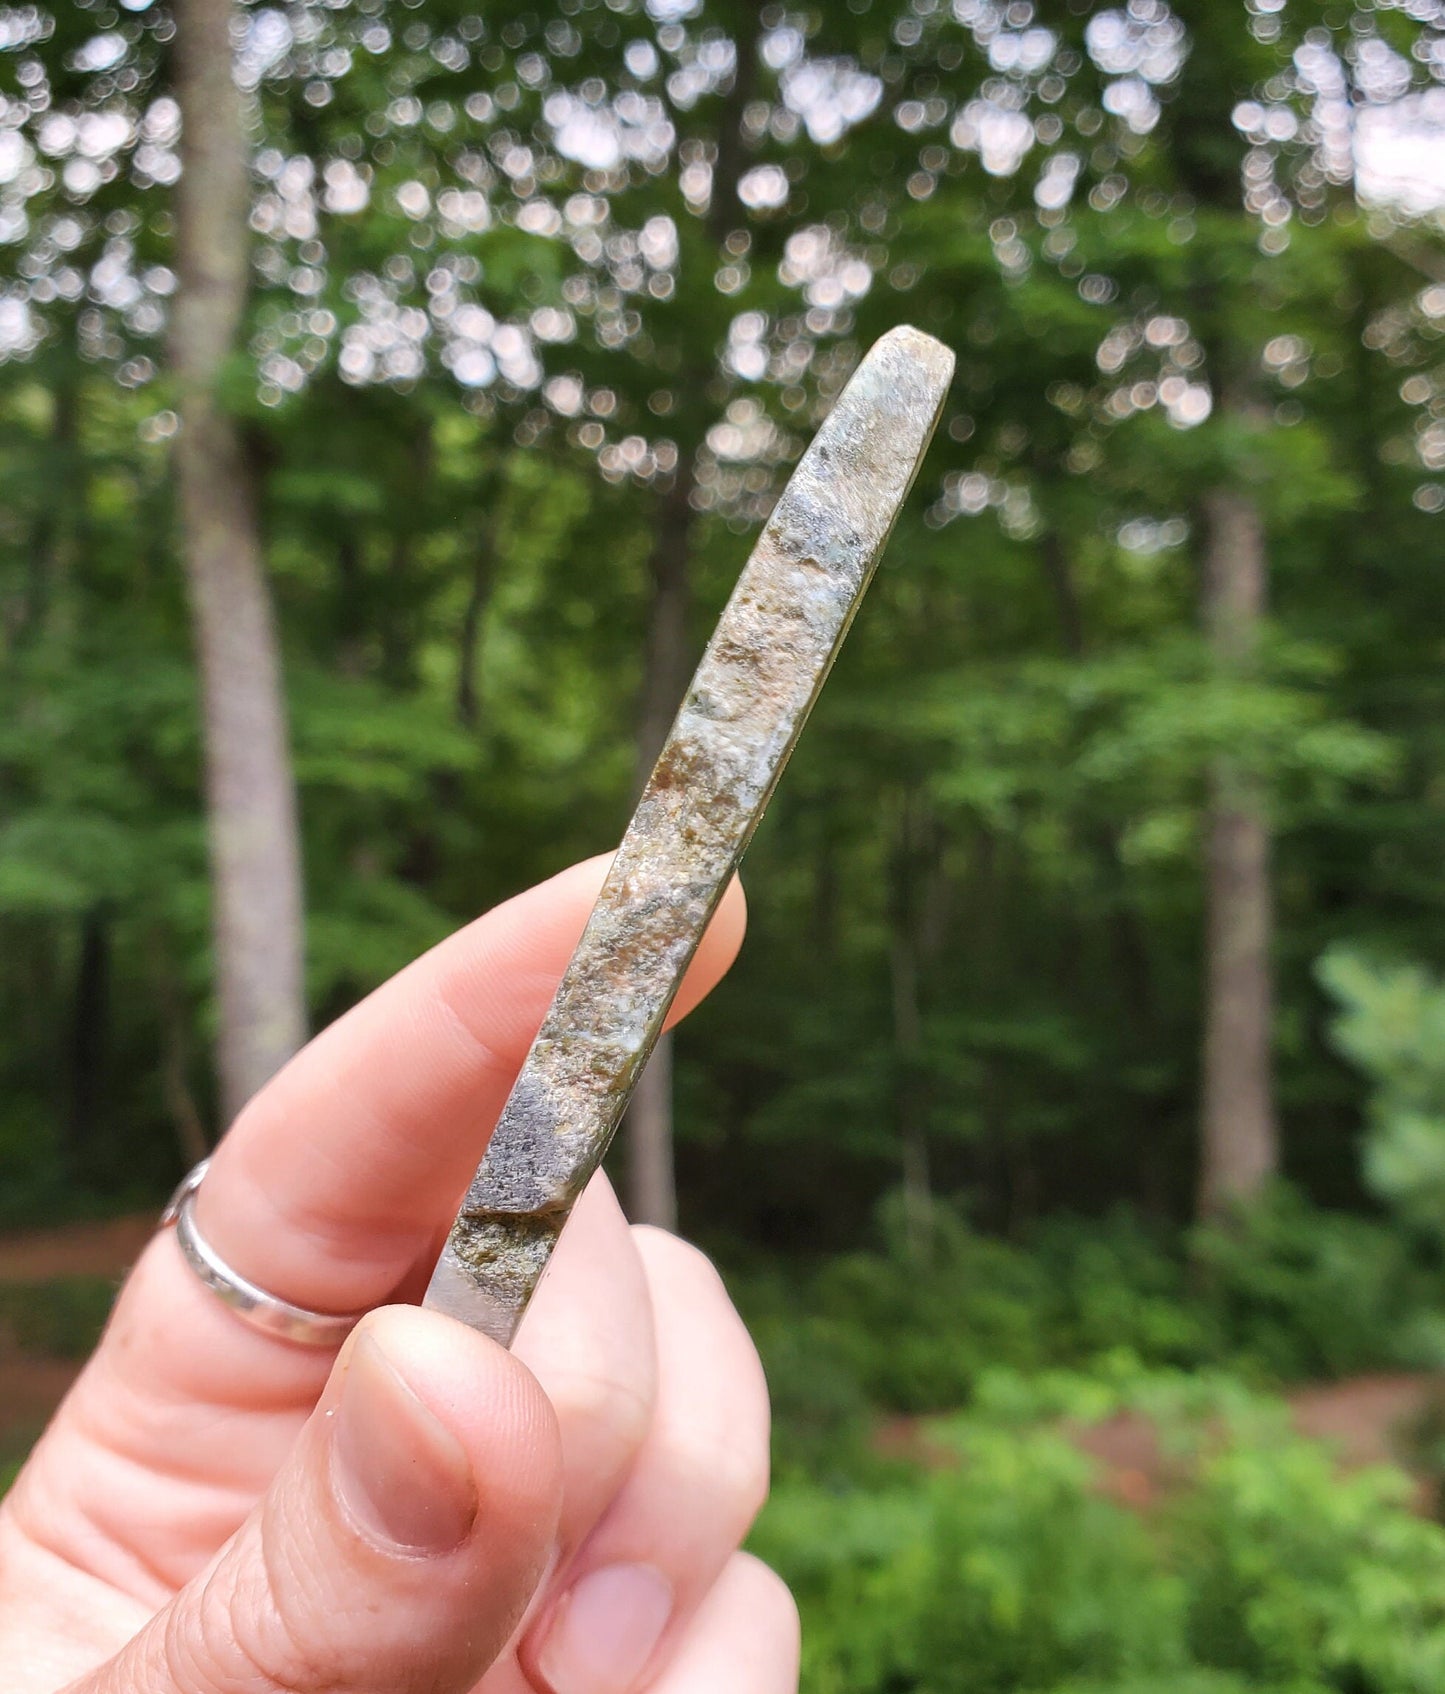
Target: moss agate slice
761	673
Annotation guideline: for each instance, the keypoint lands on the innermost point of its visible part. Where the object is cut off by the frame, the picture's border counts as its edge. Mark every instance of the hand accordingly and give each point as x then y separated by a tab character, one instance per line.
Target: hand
217	1512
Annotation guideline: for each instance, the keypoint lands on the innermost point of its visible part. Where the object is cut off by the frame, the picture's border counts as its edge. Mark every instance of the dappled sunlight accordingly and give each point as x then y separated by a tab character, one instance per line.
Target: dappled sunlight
1071	1131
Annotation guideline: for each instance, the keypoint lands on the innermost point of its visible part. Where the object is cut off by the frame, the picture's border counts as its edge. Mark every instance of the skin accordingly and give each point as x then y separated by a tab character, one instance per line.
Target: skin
214	1511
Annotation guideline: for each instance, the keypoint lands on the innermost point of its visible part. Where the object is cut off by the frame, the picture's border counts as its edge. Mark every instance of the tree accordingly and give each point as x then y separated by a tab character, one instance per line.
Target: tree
1239	1144
519	374
251	797
1238	1135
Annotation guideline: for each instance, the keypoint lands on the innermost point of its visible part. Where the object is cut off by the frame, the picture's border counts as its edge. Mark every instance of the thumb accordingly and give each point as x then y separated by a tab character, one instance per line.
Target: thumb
397	1547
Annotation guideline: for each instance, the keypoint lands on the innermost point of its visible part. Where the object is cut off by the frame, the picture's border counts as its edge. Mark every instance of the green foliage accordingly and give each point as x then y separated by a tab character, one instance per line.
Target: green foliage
60	1318
976	907
1299	1292
1001	794
1006	1569
1287	1293
1010	1574
1392	1025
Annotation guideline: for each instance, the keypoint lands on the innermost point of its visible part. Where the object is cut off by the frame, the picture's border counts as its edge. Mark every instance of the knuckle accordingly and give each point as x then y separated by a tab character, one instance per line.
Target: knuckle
732	1467
715	1419
693	1285
598	1399
669	1256
773	1601
752	1478
231	1641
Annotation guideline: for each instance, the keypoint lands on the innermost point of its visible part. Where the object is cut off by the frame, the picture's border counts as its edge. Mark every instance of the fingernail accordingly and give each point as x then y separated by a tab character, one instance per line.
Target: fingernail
605	1629
400	1472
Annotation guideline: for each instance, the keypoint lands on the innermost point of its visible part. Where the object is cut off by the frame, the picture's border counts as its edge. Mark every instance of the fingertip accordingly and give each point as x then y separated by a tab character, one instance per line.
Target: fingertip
566	900
489	1402
716	952
399	1545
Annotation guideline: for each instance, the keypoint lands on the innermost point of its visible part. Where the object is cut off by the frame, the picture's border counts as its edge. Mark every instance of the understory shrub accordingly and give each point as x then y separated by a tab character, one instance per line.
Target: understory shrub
1296	1292
1006	1570
1287	1292
1391	1025
60	1318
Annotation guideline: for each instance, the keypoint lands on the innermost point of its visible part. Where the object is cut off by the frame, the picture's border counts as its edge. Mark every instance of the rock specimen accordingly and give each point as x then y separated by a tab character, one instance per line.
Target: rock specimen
762	671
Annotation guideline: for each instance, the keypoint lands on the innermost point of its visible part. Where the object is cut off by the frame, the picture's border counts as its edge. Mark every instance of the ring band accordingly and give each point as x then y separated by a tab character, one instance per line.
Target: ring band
254	1306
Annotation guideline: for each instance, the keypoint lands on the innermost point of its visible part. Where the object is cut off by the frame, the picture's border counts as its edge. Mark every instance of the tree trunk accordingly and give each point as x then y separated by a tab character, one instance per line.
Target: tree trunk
909	1101
651	1181
651	1188
1060	576
652	1192
917	919
185	1115
469	642
58	542
398	595
1128	939
352	614
1239	1142
250	789
88	1038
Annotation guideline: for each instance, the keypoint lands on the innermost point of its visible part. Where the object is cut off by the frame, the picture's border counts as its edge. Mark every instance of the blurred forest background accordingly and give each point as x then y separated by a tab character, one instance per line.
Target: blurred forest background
388	395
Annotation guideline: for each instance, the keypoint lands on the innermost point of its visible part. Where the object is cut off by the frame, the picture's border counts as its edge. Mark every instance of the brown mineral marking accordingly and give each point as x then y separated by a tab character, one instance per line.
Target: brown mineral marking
732	650
679	767
602	1066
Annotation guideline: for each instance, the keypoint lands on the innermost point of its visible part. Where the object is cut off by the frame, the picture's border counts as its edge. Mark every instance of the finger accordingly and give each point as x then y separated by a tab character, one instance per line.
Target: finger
588	1339
333	1179
341	1166
91	1487
400	1542
323	1192
619	1608
744	1637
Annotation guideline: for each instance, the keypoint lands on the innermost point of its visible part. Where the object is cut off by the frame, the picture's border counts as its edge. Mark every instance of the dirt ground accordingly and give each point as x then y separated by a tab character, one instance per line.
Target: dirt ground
108	1248
31	1388
1367	1418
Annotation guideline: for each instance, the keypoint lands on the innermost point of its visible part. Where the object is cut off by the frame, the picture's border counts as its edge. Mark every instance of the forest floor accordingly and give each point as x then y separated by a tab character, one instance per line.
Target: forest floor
108	1248
1368	1419
33	1382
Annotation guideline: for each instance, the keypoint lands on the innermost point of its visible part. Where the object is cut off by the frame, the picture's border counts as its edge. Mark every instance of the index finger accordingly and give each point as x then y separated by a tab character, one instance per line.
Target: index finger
334	1179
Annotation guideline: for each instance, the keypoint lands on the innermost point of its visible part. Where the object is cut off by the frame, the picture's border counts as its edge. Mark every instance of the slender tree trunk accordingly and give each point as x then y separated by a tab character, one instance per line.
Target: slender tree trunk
250	789
89	1017
667	661
397	597
469	641
1128	941
917	919
1060	576
909	1103
652	1191
823	920
180	1102
651	1179
1239	1141
352	618
58	542
651	1187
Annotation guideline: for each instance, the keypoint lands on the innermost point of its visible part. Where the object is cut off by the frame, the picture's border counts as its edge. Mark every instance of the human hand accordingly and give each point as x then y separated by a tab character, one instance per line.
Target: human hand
214	1511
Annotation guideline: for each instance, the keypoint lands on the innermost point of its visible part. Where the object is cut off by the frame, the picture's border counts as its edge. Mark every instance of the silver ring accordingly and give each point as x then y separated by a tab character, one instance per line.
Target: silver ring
254	1306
